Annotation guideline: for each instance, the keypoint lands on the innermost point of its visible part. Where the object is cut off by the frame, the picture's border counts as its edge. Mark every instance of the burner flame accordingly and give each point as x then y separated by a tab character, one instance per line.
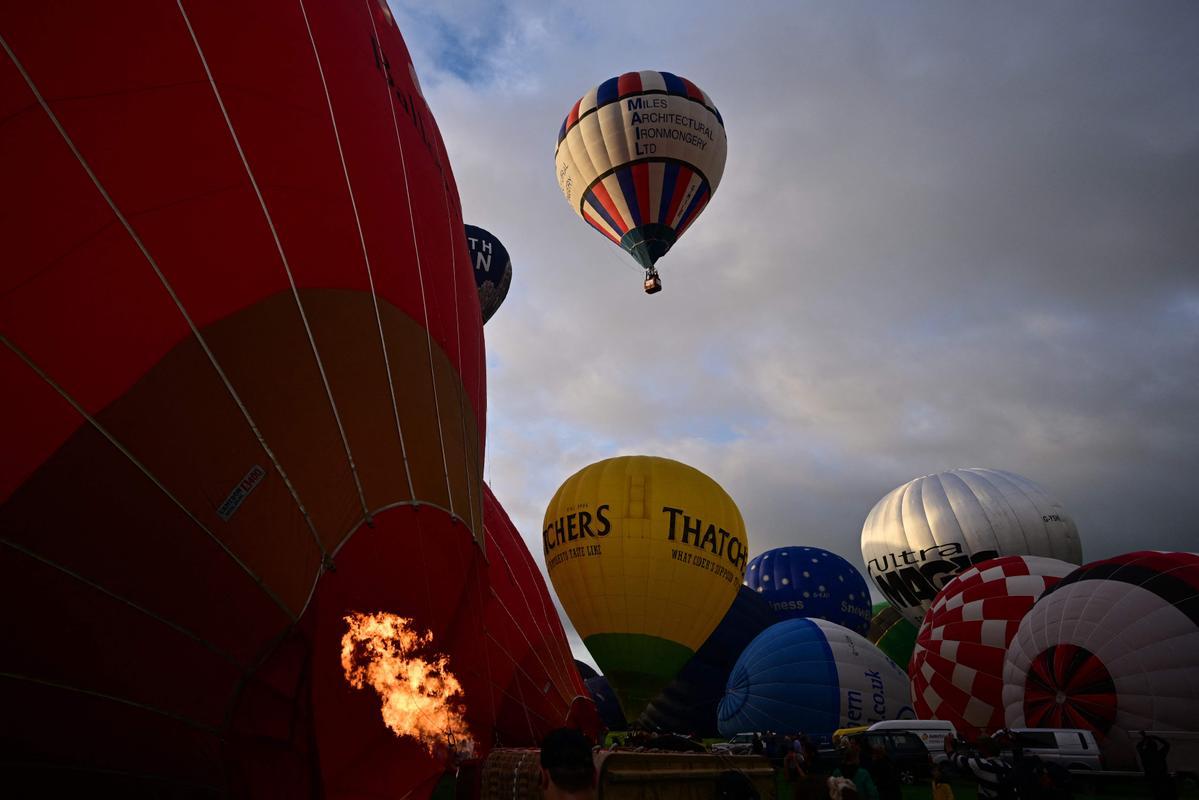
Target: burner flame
421	698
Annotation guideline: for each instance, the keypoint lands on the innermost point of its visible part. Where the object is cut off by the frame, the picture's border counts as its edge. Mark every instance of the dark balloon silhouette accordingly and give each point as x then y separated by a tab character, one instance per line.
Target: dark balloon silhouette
492	268
688	703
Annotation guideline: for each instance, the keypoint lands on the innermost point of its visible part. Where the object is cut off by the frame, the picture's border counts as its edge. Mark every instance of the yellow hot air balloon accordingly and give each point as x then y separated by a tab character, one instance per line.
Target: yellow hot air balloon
646	555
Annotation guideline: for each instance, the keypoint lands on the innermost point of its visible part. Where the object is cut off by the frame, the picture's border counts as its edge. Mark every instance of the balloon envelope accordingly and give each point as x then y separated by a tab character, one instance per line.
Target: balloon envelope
586	672
891	632
688	704
812	676
957	663
639	157
605	701
811	582
244	398
492	269
646	555
1113	647
925	532
534	685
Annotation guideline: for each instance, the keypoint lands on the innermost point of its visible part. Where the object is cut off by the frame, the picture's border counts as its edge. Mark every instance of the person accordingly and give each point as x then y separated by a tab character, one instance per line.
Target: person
1153	751
1028	772
567	766
941	789
851	767
842	789
793	766
813	784
992	773
757	747
886	777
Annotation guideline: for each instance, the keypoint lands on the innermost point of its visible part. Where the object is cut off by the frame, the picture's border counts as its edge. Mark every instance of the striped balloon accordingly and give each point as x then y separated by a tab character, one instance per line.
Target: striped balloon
1114	648
957	664
639	157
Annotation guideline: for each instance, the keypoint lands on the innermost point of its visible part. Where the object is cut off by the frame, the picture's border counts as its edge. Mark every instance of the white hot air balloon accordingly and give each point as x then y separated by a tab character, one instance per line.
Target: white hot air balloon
922	534
1113	648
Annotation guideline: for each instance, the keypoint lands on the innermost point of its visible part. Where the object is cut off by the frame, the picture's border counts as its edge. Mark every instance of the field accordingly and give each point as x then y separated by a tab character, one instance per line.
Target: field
1116	788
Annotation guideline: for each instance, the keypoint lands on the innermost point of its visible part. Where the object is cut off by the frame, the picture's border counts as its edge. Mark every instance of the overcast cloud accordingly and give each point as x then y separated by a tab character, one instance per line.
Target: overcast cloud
948	235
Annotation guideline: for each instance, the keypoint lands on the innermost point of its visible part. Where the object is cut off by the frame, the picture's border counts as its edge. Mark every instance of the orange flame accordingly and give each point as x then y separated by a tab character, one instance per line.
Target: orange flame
421	697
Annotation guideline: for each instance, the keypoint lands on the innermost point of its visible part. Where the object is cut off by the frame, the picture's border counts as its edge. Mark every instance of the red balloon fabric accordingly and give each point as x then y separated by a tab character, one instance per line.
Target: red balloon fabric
1113	648
957	664
244	397
535	687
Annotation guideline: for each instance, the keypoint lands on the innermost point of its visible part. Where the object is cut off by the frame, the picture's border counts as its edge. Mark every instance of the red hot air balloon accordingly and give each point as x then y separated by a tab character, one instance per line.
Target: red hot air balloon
535	685
1114	648
244	401
957	664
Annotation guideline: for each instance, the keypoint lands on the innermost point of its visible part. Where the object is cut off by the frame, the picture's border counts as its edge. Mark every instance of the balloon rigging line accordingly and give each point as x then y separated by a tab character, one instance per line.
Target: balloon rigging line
482	601
282	256
187	318
532	649
245	410
195	637
528	607
476	533
421	280
365	258
191	723
522	671
142	467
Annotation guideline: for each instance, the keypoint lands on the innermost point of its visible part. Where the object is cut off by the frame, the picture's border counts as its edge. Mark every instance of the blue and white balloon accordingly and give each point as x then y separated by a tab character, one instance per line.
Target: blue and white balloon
812	676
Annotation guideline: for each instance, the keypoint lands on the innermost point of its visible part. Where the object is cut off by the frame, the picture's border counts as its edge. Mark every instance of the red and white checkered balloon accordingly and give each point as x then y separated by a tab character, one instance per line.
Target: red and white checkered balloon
957	665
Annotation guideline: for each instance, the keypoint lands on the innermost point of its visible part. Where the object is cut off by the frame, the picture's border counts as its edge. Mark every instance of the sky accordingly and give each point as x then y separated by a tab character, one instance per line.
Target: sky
948	235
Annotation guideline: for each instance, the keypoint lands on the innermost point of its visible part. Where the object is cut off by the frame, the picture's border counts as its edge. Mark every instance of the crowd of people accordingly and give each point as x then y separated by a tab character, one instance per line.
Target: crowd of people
998	766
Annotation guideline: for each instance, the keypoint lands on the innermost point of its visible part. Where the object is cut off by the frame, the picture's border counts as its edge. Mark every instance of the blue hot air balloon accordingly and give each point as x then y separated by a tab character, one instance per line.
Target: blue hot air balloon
812	676
688	703
492	268
606	703
811	582
586	671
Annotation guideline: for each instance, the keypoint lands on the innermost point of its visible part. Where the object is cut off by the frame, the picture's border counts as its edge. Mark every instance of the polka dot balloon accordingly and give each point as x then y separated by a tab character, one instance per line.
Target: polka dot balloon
811	582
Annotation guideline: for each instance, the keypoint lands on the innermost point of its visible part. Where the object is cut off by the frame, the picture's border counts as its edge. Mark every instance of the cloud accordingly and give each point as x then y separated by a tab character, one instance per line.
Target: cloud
960	236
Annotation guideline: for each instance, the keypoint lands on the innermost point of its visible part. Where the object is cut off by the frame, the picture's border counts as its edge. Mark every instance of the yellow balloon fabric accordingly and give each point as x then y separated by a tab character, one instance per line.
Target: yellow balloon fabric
646	555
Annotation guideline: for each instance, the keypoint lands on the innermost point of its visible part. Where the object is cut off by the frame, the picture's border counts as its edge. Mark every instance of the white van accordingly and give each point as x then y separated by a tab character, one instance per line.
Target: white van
930	731
1073	748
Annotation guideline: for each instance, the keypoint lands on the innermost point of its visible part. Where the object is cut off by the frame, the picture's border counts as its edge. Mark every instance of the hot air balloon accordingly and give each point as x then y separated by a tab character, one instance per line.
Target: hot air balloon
492	267
1113	647
586	671
243	403
813	676
646	555
638	158
688	703
891	632
811	582
535	687
922	534
957	665
606	703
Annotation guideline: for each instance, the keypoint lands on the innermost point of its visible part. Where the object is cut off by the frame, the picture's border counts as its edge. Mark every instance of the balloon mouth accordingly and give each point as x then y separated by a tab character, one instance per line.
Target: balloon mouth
647	243
735	696
1069	687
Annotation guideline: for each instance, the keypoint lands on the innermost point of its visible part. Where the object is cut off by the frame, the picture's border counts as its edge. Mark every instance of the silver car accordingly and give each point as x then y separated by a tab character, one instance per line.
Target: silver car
1073	748
740	745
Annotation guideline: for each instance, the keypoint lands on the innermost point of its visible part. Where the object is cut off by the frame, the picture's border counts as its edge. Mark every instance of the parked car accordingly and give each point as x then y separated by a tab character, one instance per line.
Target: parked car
740	745
906	751
1072	748
931	732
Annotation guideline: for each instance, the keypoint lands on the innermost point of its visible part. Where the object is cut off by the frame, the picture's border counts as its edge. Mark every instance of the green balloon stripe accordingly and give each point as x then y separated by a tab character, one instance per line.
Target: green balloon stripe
637	666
